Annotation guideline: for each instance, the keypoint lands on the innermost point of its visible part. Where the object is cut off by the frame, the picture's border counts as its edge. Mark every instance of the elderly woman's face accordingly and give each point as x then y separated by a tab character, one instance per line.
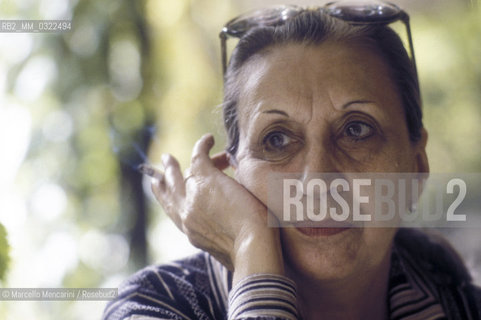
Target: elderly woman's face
326	108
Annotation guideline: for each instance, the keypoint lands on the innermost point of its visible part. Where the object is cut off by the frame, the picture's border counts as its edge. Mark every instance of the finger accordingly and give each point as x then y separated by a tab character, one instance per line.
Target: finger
166	202
221	160
201	162
158	189
173	177
187	175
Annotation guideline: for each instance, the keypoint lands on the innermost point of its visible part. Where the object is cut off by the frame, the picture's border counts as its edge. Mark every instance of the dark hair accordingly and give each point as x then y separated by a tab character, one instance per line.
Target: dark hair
312	28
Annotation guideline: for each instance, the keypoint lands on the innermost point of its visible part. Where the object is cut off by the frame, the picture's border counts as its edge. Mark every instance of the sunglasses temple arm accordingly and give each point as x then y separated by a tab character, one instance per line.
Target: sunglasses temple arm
223	49
405	19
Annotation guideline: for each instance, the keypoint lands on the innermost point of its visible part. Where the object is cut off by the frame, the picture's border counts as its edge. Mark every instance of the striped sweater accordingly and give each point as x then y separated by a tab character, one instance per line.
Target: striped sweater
427	281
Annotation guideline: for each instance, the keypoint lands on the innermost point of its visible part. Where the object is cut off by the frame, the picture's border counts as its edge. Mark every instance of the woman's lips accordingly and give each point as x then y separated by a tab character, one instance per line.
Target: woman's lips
317	232
325	228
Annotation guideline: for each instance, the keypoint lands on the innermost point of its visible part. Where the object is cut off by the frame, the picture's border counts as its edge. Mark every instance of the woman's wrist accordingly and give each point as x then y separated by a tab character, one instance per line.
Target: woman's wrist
249	296
258	251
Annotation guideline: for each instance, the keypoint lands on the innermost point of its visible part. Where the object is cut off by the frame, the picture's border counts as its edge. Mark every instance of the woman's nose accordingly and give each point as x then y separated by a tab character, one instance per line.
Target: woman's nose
319	160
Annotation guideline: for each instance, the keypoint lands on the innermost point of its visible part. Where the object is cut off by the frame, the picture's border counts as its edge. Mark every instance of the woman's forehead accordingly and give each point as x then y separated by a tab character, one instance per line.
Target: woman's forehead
294	73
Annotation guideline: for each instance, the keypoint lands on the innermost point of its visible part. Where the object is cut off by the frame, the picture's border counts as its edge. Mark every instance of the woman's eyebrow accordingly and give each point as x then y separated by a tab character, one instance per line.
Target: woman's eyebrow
347	105
276	111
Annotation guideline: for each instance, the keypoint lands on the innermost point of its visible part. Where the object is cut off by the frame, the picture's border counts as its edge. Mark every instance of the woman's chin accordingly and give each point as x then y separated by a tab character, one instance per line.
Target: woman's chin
334	253
323	253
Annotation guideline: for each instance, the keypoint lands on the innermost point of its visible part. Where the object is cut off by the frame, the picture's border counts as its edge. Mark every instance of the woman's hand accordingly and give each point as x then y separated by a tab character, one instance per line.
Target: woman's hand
218	214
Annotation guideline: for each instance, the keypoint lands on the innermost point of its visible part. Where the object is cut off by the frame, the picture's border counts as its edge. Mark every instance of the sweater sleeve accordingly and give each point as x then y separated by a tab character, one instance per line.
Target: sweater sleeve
263	296
193	289
175	291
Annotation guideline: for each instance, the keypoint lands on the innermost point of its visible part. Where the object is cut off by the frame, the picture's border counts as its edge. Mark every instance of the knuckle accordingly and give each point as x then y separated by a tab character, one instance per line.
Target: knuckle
189	222
173	163
194	242
191	234
196	159
170	163
168	209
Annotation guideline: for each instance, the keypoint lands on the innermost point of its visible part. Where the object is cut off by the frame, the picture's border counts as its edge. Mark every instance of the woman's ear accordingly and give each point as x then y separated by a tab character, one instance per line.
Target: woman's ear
422	163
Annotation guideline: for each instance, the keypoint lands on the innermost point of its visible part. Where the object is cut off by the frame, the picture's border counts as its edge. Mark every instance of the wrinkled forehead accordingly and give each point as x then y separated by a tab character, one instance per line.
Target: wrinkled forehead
296	72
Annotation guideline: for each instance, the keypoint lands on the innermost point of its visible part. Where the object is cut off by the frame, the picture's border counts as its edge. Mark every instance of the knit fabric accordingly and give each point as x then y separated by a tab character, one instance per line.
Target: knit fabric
427	281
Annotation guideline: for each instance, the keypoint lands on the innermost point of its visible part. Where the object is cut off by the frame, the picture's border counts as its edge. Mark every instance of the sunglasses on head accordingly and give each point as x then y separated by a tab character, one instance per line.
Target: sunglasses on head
353	12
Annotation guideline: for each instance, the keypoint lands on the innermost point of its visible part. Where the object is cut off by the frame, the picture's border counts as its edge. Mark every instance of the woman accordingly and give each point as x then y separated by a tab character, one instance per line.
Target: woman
311	94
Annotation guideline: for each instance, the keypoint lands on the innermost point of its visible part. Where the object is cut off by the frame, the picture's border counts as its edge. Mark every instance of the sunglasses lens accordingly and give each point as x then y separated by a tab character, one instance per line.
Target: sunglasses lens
265	17
363	11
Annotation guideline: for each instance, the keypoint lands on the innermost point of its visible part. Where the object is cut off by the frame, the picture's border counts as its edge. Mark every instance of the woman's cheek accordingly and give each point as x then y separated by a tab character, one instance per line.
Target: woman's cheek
253	175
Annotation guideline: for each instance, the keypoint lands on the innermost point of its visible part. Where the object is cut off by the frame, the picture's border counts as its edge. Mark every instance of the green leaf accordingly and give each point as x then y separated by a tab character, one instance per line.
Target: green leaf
4	252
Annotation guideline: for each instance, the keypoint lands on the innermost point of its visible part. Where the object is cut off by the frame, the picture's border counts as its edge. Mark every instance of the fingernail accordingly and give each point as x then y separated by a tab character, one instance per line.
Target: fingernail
210	139
165	159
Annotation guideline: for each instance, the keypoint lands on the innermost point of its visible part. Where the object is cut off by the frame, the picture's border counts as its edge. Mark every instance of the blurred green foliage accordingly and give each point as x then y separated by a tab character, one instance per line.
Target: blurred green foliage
4	252
450	75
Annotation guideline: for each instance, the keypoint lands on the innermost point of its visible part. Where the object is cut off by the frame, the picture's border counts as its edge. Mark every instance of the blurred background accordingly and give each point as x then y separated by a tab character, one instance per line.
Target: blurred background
134	79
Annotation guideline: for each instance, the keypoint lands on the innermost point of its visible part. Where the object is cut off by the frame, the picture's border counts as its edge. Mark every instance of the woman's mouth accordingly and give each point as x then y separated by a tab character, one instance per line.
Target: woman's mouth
318	232
323	229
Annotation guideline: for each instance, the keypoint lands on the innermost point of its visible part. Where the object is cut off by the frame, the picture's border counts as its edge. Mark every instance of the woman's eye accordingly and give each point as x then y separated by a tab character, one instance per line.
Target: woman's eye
278	145
358	130
276	141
